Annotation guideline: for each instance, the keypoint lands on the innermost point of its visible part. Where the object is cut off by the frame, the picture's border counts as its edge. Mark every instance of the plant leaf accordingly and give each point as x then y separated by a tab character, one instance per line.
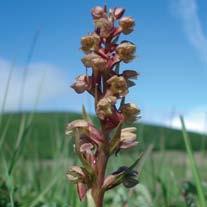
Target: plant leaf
85	114
116	138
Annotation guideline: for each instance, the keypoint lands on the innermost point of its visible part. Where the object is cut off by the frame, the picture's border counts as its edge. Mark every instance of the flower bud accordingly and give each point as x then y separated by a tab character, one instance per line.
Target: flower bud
126	51
130	112
82	84
105	25
118	86
105	107
117	12
127	24
94	61
98	12
90	43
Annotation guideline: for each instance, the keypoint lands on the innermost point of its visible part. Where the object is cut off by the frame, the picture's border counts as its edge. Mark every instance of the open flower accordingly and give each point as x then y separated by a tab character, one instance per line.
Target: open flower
127	24
87	131
105	107
128	138
94	61
130	112
76	174
81	84
87	149
90	43
105	26
118	86
126	51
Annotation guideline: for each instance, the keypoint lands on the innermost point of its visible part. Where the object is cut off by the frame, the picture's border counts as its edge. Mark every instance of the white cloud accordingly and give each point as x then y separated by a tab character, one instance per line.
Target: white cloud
53	80
187	11
195	120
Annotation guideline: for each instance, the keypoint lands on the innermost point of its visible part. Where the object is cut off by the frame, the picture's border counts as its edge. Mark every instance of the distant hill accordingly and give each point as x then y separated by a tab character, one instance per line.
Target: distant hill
47	132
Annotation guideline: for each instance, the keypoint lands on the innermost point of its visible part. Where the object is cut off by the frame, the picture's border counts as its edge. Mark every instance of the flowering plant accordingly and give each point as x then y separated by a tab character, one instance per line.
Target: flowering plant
107	85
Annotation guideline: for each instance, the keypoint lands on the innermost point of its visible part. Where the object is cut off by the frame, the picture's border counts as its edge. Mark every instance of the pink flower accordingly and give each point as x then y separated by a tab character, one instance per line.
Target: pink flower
81	84
86	130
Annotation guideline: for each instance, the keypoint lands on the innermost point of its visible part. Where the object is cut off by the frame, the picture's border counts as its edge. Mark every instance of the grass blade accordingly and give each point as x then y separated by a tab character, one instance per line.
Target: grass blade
195	172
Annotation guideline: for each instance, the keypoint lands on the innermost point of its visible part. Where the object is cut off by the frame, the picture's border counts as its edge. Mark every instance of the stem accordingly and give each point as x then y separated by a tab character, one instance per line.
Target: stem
97	191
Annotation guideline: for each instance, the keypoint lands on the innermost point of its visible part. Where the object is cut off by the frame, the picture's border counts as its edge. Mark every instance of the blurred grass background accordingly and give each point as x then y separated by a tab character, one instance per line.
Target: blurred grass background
35	155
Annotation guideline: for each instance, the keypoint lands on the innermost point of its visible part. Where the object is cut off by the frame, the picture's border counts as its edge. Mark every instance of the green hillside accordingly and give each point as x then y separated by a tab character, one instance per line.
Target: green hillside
47	130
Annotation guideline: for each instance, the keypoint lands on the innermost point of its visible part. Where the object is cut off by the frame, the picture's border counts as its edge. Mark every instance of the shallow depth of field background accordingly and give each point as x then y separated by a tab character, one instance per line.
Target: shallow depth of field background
40	58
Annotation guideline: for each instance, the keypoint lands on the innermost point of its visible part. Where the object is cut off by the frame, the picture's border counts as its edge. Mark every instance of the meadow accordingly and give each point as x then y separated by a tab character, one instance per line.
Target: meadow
36	153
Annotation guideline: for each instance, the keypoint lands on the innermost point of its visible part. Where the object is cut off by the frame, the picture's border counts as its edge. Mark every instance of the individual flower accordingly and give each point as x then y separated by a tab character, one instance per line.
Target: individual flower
105	26
76	174
117	13
94	61
90	43
128	138
126	51
87	150
105	107
87	131
127	24
118	86
98	12
81	84
130	112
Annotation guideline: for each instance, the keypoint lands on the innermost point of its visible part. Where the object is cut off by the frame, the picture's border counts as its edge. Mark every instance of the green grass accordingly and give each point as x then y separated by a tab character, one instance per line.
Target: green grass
37	178
46	126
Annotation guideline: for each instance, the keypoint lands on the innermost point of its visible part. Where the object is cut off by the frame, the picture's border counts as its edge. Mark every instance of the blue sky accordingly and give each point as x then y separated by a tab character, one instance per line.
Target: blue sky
171	36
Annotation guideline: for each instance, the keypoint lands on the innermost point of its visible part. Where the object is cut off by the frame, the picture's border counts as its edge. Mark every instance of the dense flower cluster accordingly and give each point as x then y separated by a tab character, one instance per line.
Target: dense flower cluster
109	87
